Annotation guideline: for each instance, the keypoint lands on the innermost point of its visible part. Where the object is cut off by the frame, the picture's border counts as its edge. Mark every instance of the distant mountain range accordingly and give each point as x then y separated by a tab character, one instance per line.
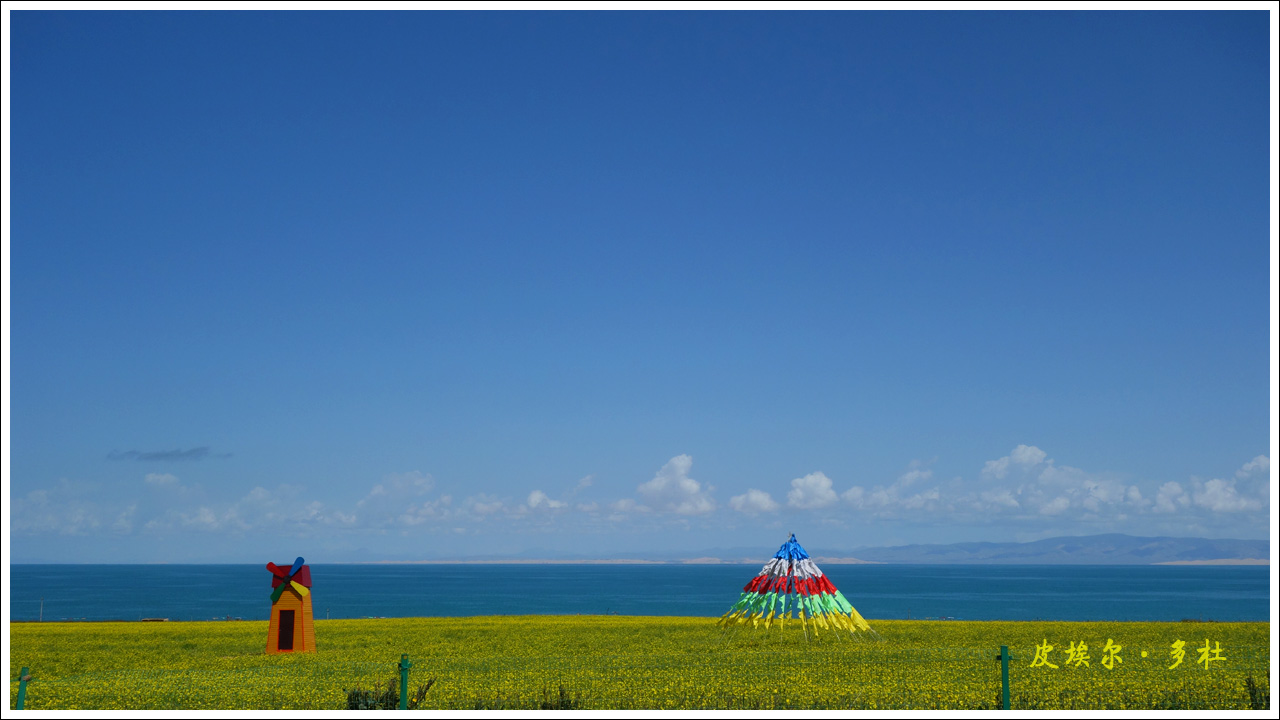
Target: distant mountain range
1113	549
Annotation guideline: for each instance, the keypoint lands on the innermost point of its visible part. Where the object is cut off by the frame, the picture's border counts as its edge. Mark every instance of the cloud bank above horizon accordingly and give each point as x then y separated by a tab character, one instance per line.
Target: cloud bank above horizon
1026	491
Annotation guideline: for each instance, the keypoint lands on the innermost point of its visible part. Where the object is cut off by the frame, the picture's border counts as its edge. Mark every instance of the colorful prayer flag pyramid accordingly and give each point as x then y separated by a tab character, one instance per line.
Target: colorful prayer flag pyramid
790	584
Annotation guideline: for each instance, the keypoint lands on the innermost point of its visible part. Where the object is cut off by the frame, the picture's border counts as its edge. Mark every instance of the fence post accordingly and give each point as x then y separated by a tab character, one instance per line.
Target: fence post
23	677
1004	676
404	681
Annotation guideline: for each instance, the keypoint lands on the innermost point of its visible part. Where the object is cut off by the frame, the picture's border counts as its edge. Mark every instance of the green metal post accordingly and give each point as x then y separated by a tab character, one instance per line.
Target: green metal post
1004	675
404	681
23	677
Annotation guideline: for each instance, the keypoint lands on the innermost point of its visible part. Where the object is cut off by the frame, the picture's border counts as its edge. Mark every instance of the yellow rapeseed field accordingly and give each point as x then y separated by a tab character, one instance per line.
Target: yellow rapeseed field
646	662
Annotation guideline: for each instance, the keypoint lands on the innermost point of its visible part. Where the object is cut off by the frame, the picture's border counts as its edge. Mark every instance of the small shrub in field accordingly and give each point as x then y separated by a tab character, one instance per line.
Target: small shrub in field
385	699
1259	696
562	702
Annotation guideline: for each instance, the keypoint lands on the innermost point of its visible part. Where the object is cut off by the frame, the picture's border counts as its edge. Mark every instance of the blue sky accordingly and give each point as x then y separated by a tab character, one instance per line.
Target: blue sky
362	286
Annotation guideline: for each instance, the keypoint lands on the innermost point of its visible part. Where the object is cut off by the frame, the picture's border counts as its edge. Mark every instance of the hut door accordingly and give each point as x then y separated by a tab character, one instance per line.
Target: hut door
285	641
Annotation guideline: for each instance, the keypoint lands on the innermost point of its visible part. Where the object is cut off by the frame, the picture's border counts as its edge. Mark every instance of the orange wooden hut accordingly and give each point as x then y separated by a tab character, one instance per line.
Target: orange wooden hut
291	628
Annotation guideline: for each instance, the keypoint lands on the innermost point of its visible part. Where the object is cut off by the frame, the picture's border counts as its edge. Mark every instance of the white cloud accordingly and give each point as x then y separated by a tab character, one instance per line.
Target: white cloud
1169	497
484	504
672	490
1216	495
881	497
1027	455
623	509
894	499
1046	488
1097	495
1055	507
1221	496
753	502
1063	476
397	486
282	510
996	469
538	499
124	521
160	479
811	492
914	475
1023	457
204	519
1258	465
922	500
399	499
416	513
62	509
854	496
1001	498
